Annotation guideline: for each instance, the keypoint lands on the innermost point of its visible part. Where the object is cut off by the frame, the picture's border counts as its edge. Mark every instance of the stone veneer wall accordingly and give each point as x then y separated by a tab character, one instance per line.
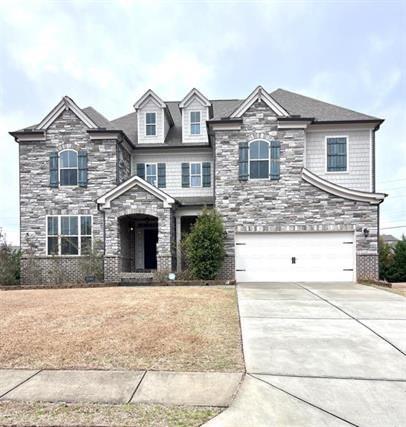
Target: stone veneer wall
290	204
123	162
37	199
137	201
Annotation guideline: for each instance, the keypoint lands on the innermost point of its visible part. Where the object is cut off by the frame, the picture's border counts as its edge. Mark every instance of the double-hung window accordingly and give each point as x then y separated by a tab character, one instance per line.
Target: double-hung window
150	124
69	235
68	168
195	122
85	235
259	159
195	174
336	154
53	235
151	173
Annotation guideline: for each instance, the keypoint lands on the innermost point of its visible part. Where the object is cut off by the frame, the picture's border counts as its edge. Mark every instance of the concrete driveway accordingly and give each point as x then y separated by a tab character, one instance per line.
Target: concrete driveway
320	354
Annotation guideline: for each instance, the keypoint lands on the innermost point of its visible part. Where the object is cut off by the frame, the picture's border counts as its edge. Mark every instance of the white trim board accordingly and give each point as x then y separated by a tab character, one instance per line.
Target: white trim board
194	93
149	94
60	235
66	104
338	190
105	200
262	95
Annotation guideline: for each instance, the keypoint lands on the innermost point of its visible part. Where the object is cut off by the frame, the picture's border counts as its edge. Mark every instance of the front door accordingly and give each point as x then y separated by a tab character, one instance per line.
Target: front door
150	241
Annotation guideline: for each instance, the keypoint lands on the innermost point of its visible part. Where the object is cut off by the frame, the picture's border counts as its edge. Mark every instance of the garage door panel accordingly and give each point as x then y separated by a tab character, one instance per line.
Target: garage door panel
317	257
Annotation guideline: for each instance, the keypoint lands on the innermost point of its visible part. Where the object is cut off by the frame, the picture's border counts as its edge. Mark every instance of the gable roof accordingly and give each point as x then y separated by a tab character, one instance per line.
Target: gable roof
259	94
149	94
99	119
294	104
106	199
194	93
66	103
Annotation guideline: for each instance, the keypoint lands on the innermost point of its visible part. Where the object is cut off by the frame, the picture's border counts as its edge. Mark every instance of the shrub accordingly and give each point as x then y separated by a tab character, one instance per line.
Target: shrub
204	246
398	268
92	263
385	259
9	263
392	261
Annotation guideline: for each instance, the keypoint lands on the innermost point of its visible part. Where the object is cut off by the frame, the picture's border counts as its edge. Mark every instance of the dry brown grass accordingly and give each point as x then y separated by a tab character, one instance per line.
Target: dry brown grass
63	414
176	328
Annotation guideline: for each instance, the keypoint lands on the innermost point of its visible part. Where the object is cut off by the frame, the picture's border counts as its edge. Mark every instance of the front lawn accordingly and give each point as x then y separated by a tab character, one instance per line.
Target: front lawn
168	328
62	414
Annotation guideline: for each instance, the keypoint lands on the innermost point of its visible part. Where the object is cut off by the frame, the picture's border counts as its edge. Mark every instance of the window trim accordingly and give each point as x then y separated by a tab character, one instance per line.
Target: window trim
59	168
347	165
156	172
150	124
269	160
59	236
195	123
201	174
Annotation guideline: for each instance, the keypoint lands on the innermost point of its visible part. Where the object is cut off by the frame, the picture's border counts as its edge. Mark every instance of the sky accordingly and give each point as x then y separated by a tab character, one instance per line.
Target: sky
107	54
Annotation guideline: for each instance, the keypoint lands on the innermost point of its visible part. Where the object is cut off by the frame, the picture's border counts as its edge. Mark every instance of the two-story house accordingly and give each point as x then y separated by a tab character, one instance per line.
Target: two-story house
292	177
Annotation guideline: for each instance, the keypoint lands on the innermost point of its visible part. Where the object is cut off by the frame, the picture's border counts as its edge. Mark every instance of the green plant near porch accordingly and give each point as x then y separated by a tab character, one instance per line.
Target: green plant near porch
204	246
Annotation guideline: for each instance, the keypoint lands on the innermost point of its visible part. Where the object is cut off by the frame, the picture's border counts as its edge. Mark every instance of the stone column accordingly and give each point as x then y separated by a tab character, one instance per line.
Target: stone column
178	248
164	253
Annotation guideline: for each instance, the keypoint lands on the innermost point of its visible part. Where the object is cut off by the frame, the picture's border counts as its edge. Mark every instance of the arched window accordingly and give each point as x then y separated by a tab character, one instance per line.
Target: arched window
68	168
259	159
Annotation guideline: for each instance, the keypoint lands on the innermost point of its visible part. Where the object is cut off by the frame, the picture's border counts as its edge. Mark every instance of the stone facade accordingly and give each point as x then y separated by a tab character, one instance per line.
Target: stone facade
137	201
37	199
123	162
289	204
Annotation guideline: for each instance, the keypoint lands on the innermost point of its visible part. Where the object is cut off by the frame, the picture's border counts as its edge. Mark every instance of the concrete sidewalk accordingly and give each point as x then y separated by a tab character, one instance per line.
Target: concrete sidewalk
98	386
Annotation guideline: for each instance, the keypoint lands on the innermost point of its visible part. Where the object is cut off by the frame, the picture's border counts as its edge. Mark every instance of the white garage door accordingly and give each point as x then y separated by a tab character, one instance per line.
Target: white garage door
300	257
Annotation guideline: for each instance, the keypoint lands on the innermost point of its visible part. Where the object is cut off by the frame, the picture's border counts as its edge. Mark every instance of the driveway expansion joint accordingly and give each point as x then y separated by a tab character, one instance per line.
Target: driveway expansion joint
327	377
354	318
304	401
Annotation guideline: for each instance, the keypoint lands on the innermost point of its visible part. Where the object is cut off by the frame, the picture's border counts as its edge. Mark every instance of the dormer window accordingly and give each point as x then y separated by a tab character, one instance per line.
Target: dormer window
195	122
150	124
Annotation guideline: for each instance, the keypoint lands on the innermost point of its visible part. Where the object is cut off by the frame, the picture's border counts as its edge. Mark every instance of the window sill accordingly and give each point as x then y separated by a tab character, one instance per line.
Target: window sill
337	172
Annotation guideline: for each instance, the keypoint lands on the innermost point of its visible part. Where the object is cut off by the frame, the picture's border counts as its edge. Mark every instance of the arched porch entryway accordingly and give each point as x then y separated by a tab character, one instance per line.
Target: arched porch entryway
138	242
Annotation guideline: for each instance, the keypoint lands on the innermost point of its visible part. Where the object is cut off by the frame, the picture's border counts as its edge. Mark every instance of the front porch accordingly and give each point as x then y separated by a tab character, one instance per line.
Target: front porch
143	231
138	243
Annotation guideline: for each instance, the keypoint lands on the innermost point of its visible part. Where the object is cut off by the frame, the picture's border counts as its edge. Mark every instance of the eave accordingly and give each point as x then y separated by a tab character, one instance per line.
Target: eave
98	134
338	190
28	135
